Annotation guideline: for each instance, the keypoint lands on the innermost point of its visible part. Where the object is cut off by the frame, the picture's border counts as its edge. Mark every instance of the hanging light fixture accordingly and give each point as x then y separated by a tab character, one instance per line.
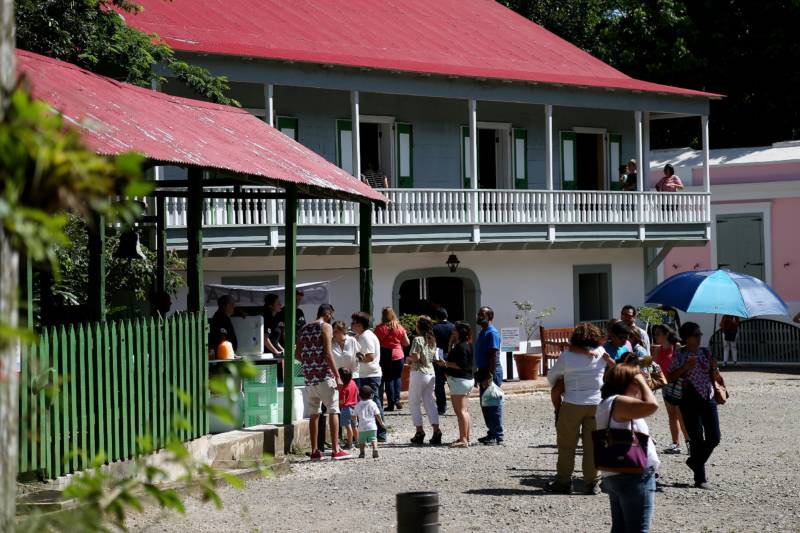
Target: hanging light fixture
129	246
453	262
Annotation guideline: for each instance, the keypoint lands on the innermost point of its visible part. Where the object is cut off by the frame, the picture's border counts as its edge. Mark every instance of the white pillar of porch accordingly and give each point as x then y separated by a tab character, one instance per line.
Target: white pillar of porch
158	172
548	170
706	171
473	167
639	171
269	109
355	117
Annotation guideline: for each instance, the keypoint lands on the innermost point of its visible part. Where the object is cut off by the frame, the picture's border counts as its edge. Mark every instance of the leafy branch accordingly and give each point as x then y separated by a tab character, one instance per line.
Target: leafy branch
529	318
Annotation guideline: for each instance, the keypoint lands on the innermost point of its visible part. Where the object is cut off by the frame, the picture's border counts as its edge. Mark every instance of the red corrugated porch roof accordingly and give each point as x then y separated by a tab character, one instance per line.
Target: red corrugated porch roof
464	38
116	117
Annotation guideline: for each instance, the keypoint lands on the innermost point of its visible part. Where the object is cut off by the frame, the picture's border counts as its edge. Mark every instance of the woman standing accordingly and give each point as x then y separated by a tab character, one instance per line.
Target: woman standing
627	400
393	338
581	367
695	365
344	348
423	381
667	341
459	368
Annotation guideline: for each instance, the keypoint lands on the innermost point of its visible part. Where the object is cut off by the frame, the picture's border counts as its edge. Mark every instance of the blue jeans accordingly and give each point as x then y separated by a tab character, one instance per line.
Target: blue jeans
393	381
375	385
632	499
701	419
493	416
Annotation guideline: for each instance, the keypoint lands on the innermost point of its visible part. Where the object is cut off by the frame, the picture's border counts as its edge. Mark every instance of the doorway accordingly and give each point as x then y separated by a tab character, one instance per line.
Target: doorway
740	243
376	152
592	288
487	159
590	162
422	291
494	156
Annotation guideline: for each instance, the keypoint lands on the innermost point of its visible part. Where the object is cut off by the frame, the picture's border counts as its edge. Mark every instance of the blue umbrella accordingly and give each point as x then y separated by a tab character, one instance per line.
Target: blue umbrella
718	292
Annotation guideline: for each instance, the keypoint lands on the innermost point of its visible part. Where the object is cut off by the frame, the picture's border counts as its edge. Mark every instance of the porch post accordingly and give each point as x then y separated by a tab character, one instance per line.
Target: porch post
290	309
706	156
97	269
161	244
473	167
365	256
269	113
640	172
194	240
548	170
355	113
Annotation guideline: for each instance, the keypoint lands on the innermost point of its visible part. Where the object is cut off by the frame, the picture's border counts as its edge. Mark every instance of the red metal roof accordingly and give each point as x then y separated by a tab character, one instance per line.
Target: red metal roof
469	38
117	117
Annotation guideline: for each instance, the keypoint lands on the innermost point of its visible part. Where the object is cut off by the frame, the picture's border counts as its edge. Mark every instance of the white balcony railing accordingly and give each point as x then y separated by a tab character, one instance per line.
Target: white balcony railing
465	207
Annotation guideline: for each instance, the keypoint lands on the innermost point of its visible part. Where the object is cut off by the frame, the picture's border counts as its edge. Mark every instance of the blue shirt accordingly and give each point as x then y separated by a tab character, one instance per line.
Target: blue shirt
488	339
617	353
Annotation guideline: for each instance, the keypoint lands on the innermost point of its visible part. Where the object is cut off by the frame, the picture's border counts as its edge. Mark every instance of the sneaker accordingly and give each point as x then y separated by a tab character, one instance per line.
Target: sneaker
398	406
673	449
492	442
361	454
316	456
705	485
484	439
592	490
341	454
375	453
552	486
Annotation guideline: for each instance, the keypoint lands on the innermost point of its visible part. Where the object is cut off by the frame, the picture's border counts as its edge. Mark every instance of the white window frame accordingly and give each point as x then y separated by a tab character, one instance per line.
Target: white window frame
762	208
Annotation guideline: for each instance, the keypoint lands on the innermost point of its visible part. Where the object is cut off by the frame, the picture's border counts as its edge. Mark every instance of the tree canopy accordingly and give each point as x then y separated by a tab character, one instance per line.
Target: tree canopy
743	49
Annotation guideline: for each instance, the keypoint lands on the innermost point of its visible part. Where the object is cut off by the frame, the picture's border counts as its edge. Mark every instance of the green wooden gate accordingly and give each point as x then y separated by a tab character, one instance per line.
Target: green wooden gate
102	387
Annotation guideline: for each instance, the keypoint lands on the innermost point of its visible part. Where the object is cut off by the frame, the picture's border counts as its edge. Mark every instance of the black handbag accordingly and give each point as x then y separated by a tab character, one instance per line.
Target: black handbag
673	392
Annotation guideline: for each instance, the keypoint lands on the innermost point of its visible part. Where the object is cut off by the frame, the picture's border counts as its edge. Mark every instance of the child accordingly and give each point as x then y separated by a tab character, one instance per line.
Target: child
348	397
369	418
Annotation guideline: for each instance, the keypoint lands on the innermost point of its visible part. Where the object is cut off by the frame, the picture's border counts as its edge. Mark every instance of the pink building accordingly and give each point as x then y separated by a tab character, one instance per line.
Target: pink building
755	213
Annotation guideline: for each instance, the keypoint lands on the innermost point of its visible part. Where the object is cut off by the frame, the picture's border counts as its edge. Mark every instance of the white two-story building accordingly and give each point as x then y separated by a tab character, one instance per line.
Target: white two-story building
496	141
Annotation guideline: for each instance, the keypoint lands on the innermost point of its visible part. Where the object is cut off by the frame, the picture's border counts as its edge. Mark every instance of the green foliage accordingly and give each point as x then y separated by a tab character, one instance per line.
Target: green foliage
409	322
93	35
529	318
651	316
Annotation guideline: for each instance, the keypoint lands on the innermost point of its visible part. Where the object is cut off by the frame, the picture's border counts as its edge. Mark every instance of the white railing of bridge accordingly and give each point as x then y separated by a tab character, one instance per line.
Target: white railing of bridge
409	207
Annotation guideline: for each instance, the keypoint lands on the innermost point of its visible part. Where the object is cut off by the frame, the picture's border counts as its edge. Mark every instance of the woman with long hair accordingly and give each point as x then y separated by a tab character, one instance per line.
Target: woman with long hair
668	344
393	338
695	365
627	400
460	368
423	381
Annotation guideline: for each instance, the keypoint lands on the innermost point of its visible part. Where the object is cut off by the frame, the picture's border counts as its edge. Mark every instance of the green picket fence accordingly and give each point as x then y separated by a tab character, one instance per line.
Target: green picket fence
99	387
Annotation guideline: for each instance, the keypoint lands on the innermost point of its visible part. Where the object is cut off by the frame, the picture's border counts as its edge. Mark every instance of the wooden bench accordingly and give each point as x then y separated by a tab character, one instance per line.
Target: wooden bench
554	341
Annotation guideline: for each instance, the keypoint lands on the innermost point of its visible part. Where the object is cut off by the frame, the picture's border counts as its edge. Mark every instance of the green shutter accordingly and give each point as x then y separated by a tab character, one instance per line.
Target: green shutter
614	160
405	155
288	126
519	159
465	167
569	160
344	140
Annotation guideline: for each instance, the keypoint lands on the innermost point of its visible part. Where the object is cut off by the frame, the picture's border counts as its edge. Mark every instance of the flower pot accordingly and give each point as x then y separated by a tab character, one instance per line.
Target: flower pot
405	378
528	365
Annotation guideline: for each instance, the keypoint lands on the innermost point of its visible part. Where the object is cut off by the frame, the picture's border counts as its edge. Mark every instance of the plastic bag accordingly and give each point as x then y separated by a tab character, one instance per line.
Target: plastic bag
492	396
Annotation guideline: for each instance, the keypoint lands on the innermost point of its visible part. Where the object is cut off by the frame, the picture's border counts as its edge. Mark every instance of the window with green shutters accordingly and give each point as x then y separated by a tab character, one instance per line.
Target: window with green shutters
344	144
405	155
519	151
569	160
614	160
288	126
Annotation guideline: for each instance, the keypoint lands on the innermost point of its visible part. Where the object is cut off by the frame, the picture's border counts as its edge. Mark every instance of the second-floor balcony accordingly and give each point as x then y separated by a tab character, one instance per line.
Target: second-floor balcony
458	217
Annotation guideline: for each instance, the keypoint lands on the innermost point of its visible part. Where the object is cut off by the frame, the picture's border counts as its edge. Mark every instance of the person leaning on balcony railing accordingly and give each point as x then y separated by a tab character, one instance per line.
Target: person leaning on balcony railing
670	182
629	183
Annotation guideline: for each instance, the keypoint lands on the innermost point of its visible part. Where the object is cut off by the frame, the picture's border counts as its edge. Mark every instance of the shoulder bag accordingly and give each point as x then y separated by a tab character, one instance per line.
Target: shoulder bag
673	392
622	451
721	394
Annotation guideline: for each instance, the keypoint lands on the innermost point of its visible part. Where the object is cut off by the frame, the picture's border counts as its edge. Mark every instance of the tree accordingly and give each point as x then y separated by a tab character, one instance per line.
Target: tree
93	35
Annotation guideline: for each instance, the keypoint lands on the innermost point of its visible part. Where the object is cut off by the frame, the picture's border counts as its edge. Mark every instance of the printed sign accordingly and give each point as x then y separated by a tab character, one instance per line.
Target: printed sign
509	339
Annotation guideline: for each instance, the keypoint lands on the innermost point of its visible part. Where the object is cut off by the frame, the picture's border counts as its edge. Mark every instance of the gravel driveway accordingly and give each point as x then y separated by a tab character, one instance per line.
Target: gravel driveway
755	474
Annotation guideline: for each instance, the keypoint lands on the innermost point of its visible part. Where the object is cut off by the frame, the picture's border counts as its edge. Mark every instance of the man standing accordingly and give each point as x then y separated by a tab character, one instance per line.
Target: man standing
628	315
321	378
442	330
369	366
487	363
221	325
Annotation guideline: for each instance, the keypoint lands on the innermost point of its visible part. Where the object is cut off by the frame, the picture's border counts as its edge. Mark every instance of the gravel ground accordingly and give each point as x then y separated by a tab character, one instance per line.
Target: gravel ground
755	475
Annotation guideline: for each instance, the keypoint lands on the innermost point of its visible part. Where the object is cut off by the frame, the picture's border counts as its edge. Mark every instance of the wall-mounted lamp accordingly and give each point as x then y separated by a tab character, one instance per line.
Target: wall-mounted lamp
453	262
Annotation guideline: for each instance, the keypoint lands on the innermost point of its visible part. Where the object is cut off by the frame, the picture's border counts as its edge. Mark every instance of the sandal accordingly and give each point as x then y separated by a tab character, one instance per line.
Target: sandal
418	438
460	444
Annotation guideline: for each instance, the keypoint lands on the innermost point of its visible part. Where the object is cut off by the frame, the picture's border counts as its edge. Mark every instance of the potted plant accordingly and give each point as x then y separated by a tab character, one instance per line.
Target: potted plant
529	319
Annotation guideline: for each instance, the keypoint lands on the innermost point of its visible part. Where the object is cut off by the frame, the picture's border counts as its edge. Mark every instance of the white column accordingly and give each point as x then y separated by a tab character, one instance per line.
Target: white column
548	168
355	116
269	109
158	172
645	150
473	165
706	156
640	171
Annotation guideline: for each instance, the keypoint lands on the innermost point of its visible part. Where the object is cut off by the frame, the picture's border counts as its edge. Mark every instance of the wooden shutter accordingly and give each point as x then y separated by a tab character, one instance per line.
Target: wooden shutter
344	145
465	166
614	160
405	155
519	158
569	160
288	126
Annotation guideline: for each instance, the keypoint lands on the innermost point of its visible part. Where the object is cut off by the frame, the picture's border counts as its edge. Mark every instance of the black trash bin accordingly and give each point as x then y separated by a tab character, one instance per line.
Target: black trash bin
418	512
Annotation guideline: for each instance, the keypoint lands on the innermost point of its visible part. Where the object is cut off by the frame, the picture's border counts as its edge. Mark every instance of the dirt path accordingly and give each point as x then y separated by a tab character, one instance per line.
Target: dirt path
755	473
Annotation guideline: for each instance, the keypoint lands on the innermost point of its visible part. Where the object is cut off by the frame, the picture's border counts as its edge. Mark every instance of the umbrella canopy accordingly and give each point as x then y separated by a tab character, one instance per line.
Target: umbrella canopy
718	292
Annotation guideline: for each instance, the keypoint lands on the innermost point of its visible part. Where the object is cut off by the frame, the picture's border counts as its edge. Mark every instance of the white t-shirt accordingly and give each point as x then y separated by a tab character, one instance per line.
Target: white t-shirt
369	344
583	376
345	357
365	411
639	425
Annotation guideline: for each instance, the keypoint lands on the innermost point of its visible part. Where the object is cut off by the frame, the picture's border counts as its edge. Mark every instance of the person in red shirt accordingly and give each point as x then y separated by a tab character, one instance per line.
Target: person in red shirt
730	328
667	341
348	398
393	338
